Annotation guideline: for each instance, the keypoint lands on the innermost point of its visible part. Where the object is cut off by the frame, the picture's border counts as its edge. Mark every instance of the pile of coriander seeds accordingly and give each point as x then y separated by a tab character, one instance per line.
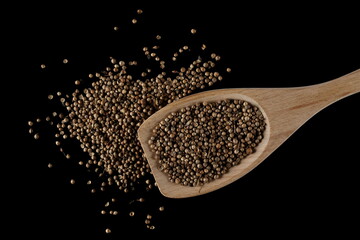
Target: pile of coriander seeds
200	143
105	117
102	114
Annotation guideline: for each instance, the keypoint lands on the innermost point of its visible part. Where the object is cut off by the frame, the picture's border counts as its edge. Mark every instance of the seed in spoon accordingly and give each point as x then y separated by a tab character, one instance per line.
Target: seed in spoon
200	143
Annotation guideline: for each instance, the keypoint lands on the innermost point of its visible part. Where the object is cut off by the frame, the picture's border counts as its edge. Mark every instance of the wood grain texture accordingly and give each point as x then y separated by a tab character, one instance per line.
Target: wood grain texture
285	110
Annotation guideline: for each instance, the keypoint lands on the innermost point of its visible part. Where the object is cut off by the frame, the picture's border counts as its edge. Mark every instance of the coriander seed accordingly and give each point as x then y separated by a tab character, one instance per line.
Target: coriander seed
36	136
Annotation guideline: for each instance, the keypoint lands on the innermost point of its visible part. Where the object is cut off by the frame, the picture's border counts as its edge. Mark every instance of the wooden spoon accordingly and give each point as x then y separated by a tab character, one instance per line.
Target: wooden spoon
285	110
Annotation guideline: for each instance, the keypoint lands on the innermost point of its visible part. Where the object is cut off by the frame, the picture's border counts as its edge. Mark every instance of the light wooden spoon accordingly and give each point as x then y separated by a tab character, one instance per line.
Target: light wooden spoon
285	110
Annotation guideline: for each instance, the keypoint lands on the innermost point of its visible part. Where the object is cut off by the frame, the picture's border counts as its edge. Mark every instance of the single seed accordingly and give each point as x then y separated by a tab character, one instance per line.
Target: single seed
161	209
30	123
50	165
228	69
77	82
36	136
108	230
43	66
193	31
134	21
65	61
116	28
50	96
72	181
139	11
131	214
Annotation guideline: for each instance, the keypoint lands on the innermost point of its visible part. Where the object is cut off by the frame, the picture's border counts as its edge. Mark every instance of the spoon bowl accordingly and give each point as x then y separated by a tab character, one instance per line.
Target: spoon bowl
285	110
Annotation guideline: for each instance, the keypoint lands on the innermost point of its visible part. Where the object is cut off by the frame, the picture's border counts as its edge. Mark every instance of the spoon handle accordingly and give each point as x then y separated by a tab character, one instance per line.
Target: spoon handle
341	87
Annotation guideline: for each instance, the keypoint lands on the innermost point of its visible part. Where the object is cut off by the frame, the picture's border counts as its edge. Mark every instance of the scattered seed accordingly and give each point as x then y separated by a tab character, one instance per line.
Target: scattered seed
50	165
228	69
72	181
65	61
43	66
36	136
139	11
116	28
107	230
105	117
161	209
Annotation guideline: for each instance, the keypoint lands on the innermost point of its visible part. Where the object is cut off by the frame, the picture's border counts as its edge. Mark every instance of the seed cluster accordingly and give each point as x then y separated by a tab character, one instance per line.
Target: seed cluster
105	110
105	117
202	142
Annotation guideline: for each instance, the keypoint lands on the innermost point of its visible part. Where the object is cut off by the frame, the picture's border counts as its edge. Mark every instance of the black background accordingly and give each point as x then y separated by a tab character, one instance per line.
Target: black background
307	187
